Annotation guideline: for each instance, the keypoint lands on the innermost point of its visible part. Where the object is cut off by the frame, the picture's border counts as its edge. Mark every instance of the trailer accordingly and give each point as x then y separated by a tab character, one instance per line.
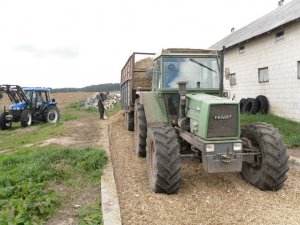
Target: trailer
133	78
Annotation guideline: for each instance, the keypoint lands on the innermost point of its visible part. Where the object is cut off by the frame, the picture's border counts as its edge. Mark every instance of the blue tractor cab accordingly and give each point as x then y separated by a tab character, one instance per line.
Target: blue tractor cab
29	105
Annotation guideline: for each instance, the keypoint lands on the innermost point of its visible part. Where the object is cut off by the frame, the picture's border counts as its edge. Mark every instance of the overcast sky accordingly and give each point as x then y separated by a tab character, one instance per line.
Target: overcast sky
76	43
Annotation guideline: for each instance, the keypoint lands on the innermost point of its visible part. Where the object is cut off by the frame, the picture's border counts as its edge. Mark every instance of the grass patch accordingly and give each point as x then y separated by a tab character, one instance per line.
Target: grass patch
289	129
90	214
18	137
25	196
115	109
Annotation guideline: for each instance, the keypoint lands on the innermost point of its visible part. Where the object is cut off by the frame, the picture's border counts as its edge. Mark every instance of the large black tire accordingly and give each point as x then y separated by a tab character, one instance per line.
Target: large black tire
262	104
140	130
163	159
129	121
51	115
267	172
26	118
4	125
250	106
242	104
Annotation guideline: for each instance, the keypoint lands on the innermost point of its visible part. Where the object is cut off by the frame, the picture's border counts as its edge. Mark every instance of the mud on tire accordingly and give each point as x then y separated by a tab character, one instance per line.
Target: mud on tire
163	159
140	130
267	172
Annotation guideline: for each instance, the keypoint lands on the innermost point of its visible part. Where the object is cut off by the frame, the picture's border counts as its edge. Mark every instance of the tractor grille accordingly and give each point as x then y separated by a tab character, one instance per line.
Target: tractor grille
223	121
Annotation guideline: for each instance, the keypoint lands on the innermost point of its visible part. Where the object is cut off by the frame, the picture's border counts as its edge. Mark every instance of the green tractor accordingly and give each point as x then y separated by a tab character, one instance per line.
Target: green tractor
187	113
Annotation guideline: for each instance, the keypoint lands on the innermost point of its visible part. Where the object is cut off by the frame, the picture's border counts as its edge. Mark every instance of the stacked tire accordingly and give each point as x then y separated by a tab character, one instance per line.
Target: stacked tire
260	104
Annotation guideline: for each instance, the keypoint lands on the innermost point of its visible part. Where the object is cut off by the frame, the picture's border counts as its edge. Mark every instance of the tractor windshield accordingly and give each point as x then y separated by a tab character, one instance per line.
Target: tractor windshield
28	94
199	72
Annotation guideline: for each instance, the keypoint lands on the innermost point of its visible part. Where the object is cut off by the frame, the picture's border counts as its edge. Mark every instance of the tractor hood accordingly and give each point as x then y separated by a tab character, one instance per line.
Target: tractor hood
18	106
213	117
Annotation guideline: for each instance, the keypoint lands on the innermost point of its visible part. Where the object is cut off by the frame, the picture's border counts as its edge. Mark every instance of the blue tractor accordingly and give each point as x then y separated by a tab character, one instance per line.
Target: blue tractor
29	105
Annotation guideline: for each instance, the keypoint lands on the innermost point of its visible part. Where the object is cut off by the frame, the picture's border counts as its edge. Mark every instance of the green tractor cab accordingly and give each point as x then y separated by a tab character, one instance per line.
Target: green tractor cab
29	105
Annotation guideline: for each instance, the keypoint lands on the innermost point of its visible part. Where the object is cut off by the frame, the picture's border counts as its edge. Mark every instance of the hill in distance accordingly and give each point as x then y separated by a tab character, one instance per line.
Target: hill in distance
92	88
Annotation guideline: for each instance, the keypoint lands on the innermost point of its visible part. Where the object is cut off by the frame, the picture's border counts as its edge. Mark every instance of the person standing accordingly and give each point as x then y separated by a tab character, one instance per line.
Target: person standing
101	98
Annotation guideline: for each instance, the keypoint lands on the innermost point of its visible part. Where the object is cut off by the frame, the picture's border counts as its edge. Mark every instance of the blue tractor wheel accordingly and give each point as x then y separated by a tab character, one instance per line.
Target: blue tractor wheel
4	124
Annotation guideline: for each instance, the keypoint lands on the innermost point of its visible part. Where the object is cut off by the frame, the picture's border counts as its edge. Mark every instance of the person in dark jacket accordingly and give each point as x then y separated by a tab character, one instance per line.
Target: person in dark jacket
101	108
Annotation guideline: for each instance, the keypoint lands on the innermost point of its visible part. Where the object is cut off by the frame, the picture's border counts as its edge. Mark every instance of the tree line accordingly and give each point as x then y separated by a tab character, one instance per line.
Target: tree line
91	88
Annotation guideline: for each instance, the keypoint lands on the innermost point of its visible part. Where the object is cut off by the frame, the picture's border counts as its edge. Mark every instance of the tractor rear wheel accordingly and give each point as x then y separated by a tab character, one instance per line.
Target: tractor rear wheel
140	130
163	159
51	115
26	118
267	171
4	124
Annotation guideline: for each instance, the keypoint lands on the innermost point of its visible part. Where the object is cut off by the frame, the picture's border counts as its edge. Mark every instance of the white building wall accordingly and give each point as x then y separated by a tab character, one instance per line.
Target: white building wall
281	57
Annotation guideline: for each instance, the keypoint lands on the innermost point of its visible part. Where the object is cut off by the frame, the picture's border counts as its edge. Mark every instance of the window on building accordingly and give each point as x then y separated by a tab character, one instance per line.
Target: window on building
279	35
242	49
298	69
232	79
263	75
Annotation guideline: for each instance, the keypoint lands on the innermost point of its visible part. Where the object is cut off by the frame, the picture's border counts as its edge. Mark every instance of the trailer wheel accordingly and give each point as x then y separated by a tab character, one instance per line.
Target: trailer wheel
268	171
4	125
26	118
163	159
140	130
129	121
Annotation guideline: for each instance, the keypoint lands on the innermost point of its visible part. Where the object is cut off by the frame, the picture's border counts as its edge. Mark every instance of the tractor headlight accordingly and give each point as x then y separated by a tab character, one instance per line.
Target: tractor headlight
210	148
237	146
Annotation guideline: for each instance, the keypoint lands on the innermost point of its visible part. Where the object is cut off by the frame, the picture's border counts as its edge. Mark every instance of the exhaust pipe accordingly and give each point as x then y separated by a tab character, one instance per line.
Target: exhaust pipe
182	93
183	121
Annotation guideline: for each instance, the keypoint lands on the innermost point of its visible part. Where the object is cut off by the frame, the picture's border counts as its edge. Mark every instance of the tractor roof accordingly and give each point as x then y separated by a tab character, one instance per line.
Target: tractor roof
37	89
187	52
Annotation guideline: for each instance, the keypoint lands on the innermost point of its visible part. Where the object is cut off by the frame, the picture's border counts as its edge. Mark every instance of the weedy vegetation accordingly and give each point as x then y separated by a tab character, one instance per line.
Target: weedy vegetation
289	129
35	181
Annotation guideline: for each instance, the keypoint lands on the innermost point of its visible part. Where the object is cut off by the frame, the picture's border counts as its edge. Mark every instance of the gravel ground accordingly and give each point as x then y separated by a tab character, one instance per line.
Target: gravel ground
203	198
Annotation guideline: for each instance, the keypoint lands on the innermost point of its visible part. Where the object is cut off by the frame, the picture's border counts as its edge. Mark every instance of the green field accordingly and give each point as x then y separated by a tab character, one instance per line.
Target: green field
36	182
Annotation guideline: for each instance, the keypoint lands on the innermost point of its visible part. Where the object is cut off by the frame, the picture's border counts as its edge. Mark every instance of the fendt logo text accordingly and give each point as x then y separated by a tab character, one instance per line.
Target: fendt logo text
224	117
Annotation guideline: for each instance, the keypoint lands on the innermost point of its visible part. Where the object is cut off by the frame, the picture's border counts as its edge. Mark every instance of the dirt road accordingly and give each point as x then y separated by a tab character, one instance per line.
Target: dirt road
203	198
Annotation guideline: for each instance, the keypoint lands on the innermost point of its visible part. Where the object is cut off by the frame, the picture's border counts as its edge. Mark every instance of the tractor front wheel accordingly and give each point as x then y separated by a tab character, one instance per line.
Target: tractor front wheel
4	124
163	159
26	118
268	170
51	115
